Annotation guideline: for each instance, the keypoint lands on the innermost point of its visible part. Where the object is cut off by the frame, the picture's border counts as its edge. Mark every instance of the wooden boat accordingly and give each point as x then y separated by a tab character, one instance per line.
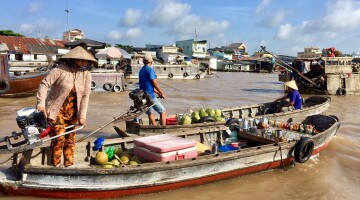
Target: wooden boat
18	85
107	80
168	71
312	105
35	177
327	76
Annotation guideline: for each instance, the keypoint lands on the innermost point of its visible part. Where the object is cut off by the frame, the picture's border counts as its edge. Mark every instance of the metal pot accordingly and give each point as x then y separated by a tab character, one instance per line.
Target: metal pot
278	133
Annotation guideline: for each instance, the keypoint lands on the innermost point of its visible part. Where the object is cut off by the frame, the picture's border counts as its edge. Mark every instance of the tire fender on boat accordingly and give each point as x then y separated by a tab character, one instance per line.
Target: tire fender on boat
170	75
4	86
197	76
303	149
93	85
107	86
116	88
186	74
232	123
341	91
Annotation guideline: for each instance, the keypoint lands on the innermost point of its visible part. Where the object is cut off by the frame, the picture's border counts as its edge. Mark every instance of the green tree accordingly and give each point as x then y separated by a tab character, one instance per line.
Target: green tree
10	33
123	46
338	53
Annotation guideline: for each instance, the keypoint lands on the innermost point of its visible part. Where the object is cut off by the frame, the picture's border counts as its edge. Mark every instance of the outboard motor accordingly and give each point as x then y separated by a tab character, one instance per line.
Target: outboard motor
141	99
33	124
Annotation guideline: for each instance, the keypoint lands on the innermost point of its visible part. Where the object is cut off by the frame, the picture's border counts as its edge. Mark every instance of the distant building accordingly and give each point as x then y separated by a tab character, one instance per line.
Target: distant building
72	35
192	48
310	52
30	49
239	49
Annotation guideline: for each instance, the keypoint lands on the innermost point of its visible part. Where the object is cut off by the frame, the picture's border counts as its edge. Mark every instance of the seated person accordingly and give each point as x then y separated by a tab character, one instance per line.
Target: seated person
293	94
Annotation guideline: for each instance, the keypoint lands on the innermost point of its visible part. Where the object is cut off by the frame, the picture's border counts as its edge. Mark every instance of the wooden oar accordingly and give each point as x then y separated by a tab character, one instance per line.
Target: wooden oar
290	67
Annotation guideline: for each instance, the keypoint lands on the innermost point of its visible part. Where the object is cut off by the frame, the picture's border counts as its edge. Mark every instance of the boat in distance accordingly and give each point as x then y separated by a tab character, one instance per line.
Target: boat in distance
18	84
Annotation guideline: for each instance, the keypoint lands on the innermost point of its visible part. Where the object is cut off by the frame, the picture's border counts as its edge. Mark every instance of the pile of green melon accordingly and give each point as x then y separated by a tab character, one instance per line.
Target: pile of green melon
195	116
117	158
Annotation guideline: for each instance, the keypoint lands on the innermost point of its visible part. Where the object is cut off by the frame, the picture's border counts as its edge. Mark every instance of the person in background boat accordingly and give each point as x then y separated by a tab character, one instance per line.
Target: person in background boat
148	83
295	102
63	97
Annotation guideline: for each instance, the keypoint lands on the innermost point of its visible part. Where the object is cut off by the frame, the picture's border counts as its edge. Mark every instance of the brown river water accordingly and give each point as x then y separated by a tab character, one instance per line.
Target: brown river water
334	174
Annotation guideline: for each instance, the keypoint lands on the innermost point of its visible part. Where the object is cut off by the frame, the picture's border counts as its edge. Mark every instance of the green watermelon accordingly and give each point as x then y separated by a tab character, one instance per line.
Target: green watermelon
194	113
195	118
210	112
219	119
203	113
185	120
218	113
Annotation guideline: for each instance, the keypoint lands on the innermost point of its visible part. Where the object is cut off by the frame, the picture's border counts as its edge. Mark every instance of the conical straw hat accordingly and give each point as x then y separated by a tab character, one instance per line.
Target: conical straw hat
291	84
80	54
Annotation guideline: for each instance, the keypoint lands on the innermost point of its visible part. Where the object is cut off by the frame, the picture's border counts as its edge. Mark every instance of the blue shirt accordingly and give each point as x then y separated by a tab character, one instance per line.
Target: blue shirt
146	75
296	98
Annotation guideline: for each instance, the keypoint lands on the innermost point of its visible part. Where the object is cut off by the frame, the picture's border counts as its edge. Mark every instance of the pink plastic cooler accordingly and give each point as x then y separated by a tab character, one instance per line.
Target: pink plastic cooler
165	148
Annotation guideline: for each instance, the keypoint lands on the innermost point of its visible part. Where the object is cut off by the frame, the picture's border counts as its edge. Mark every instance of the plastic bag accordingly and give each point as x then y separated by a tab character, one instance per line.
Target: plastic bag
110	152
98	144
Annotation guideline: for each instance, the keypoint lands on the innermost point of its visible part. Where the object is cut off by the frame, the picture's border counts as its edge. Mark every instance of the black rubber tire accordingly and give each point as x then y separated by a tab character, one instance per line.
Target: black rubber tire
206	119
186	74
116	88
232	123
5	86
93	85
303	149
170	75
341	91
335	117
107	86
197	76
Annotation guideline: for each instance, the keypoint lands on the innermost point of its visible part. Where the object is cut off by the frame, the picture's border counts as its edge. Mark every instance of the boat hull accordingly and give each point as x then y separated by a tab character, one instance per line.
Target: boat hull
187	72
316	105
81	181
107	81
25	85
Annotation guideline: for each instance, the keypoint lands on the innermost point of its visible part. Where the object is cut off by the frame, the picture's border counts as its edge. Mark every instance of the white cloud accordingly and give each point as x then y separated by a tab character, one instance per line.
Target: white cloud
114	35
131	17
284	32
262	6
46	24
217	41
340	16
273	19
204	27
166	12
133	33
26	28
34	7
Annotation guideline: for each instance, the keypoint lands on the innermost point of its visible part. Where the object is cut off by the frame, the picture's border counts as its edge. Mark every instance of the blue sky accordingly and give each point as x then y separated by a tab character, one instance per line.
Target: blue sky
285	27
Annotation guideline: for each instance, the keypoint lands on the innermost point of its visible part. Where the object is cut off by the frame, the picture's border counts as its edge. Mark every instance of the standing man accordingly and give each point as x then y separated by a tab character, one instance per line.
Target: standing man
148	83
295	102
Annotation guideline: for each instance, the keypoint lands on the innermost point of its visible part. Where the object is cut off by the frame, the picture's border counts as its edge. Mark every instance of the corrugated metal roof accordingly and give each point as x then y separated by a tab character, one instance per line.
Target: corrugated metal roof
21	44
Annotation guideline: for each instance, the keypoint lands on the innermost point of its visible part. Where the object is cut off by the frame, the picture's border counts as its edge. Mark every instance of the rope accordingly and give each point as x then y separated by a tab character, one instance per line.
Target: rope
11	157
281	159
